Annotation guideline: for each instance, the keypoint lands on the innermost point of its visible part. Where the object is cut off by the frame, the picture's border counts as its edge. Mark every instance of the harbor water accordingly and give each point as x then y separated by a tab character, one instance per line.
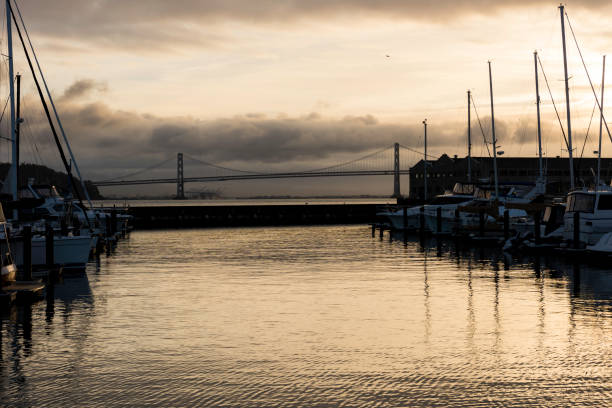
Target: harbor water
321	316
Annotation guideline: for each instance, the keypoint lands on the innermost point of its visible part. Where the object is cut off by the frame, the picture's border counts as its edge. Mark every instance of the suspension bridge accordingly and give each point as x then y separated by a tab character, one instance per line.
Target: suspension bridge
384	162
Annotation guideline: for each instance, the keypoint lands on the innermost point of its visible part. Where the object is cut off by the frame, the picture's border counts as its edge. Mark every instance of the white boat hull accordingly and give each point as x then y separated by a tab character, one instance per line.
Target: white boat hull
69	252
603	246
592	227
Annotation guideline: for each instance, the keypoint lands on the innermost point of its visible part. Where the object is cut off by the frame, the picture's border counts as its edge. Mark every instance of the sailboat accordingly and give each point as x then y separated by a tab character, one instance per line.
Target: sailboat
448	202
70	250
588	214
593	208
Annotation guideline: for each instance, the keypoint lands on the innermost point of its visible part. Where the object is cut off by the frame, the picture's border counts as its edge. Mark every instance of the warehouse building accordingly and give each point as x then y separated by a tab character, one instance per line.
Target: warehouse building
442	174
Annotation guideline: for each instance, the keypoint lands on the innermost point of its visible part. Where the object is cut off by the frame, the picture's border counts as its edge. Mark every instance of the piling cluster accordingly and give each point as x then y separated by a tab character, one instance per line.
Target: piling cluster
33	281
501	232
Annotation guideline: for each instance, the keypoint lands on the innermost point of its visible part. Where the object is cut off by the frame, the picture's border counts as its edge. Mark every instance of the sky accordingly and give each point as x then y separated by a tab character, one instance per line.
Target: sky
287	85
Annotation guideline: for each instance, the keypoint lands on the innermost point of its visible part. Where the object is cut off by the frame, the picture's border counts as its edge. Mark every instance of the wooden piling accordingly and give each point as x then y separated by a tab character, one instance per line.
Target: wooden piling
27	253
576	230
439	220
422	220
49	248
114	220
63	227
107	222
373	230
405	221
457	222
536	226
506	225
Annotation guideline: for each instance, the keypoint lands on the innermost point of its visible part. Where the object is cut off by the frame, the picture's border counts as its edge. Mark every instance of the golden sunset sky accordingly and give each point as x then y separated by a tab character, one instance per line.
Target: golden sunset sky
298	84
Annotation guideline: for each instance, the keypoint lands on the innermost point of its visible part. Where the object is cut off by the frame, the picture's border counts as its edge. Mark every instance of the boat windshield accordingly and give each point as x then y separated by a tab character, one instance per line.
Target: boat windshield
577	202
466	189
605	202
482	194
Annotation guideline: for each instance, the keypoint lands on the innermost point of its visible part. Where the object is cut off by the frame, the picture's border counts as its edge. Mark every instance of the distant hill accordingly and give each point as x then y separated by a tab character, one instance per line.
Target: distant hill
45	175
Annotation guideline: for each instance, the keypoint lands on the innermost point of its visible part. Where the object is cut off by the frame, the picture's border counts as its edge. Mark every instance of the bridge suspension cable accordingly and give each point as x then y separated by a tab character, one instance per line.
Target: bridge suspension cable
216	166
432	156
380	162
139	171
349	163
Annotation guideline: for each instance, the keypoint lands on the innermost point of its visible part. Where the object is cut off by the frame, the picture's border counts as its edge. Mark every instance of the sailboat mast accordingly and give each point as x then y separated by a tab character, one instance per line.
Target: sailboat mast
541	167
493	135
469	134
17	123
567	101
9	40
45	107
425	160
603	76
57	118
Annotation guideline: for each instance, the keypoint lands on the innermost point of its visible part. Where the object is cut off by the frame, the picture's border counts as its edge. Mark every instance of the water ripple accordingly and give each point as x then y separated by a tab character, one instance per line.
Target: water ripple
311	317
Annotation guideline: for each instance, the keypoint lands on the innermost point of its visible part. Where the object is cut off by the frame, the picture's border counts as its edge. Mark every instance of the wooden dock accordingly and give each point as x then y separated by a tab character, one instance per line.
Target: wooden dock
23	291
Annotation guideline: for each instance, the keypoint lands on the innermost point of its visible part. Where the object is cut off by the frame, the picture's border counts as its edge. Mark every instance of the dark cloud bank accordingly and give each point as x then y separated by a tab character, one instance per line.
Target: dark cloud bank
110	142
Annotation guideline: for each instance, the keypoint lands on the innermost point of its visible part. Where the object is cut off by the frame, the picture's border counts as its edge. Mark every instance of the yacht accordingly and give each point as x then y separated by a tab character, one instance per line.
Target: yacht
448	201
595	209
467	215
72	245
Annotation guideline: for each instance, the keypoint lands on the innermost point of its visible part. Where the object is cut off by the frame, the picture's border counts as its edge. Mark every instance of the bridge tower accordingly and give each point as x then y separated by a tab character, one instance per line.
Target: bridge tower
396	172
180	181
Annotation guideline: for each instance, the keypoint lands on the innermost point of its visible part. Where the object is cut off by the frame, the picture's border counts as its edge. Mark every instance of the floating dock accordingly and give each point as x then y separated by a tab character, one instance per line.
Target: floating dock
24	290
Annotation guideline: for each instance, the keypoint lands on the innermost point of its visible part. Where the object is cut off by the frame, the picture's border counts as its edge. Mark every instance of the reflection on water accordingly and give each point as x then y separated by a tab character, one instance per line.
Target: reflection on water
318	316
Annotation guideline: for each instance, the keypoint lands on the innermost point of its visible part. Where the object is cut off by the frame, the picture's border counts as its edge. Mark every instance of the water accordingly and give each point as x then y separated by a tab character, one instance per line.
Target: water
312	317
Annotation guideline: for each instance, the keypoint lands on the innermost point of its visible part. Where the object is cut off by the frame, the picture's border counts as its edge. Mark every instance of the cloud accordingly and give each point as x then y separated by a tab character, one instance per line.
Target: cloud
110	143
158	24
82	88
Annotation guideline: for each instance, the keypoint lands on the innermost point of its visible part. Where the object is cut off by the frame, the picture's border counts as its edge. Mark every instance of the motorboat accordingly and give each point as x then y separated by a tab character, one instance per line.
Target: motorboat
448	202
594	209
511	195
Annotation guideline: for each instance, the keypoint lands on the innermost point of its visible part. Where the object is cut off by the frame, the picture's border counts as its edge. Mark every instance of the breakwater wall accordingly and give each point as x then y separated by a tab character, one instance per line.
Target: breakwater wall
251	215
